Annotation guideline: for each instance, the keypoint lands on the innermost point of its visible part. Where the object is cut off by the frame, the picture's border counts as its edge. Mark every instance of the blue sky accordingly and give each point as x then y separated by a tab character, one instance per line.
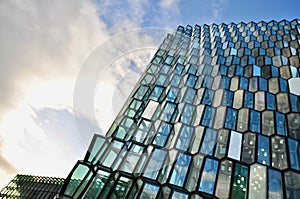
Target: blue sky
44	45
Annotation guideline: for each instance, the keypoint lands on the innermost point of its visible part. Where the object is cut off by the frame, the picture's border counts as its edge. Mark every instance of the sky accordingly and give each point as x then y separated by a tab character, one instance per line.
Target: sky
68	66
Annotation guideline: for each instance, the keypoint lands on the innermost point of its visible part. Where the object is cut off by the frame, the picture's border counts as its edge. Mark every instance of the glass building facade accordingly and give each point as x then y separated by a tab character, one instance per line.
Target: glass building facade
32	187
215	115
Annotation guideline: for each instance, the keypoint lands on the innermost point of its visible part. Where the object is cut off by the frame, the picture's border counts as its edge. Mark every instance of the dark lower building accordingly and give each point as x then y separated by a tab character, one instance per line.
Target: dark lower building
216	114
32	187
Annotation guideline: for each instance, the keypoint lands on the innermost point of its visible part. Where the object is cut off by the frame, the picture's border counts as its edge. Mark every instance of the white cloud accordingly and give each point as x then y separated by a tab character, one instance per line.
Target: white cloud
41	42
217	7
168	3
43	46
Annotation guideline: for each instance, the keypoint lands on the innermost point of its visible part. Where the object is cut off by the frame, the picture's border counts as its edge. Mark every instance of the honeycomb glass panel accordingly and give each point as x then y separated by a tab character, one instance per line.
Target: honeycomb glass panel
208	116
238	99
294	152
185	136
132	158
162	134
240	182
235	145
281	126
248	99
282	102
194	172
294	125
273	84
221	146
279	153
292	184
149	191
208	177
257	181
259	101
271	104
224	177
155	163
263	150
275	184
255	121
180	170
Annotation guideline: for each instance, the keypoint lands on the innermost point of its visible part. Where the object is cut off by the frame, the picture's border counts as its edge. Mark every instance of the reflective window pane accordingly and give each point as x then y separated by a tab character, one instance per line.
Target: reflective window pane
208	177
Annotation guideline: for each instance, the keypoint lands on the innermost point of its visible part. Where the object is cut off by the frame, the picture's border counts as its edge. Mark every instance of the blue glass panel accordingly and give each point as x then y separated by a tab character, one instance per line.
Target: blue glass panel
179	68
175	80
251	60
168	112
169	60
208	97
187	114
263	153
208	117
189	95
281	124
277	50
227	98
172	94
224	46
155	163
180	170
162	134
236	60
248	99
233	51
295	103
239	70
267	60
225	82
263	84
207	183
209	141
255	121
223	69
256	70
178	195
284	60
165	69
231	118
271	101
207	70
193	69
294	153
207	83
275	72
191	81
183	141
275	184
221	60
156	93
283	85
243	83
161	80
149	191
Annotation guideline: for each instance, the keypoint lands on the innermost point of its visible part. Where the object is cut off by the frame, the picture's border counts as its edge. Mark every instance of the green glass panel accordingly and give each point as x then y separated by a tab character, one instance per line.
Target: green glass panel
78	175
240	181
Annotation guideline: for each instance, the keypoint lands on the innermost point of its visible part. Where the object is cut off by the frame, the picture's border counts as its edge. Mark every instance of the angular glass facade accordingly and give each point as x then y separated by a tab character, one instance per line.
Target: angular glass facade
213	116
25	186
